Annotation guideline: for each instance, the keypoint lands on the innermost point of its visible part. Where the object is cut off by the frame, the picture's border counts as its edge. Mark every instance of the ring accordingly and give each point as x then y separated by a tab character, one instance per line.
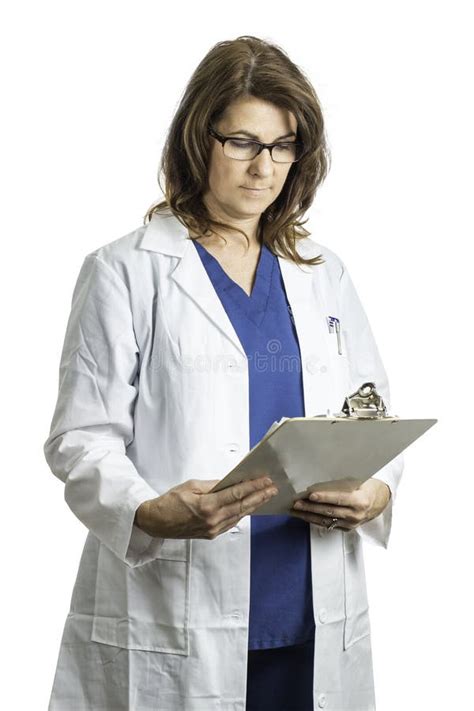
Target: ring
333	524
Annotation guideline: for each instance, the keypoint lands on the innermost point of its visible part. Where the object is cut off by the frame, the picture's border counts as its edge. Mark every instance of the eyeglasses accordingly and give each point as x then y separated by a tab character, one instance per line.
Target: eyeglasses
246	149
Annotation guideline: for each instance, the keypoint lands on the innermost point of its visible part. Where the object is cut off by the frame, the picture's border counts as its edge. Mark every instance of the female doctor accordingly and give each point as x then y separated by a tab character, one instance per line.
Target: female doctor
187	339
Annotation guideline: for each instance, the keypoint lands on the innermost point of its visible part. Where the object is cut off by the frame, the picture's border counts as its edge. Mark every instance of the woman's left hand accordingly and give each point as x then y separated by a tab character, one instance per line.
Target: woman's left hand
350	508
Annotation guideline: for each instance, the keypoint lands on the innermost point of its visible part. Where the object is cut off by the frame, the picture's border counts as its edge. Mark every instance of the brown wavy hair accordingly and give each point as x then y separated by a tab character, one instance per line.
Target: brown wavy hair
245	66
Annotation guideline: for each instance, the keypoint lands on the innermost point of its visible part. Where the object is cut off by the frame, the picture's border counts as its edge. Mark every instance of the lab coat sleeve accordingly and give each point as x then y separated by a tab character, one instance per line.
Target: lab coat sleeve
366	365
93	423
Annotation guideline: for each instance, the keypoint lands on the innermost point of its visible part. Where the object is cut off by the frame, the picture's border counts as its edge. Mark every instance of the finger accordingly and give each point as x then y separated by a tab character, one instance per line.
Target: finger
232	513
337	498
238	492
245	506
329	511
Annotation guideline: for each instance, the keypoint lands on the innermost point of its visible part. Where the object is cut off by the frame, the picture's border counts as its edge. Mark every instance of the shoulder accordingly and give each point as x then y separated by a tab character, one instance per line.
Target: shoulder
121	256
333	266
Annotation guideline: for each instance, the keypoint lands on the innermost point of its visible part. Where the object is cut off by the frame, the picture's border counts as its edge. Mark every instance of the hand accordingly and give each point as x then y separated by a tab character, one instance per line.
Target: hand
350	508
189	511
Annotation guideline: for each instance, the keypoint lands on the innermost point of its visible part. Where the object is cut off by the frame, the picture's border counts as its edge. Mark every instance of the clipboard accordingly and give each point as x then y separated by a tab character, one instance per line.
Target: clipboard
324	452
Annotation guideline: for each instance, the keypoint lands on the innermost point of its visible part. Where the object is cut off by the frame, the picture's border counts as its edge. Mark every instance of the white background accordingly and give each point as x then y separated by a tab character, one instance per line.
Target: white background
89	90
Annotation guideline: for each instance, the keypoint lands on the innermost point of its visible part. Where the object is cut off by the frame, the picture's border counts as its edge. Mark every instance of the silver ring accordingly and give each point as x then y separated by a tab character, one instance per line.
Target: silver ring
333	524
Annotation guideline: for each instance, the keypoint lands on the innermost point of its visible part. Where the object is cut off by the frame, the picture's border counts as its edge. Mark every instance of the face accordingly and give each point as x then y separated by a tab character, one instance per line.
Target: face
227	195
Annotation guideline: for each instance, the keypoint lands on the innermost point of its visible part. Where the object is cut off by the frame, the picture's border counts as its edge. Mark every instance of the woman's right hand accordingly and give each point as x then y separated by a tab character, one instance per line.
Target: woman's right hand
189	511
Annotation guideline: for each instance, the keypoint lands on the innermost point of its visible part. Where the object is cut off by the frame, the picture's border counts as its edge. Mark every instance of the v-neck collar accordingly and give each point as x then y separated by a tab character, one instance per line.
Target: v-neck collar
255	305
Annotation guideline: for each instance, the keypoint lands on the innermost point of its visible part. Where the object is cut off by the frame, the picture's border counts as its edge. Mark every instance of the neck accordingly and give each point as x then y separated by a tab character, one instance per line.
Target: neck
233	239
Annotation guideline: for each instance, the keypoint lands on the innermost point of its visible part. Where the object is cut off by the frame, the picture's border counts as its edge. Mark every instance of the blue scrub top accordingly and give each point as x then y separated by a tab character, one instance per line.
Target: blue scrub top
281	604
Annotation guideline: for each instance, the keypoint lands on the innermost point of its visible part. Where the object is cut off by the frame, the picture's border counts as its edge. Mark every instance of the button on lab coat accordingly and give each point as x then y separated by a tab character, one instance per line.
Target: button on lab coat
153	391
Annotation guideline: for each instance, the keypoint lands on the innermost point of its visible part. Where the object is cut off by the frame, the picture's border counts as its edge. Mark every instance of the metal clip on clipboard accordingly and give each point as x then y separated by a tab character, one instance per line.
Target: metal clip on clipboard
364	403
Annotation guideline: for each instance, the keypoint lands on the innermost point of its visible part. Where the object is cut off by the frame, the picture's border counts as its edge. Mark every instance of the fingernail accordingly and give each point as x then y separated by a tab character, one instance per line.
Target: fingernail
314	497
268	481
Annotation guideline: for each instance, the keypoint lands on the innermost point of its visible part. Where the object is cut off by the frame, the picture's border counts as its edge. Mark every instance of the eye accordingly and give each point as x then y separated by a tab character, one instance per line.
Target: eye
240	142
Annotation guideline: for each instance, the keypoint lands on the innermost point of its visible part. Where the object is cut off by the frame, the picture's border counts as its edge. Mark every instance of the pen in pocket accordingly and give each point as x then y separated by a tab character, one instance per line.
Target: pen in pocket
335	325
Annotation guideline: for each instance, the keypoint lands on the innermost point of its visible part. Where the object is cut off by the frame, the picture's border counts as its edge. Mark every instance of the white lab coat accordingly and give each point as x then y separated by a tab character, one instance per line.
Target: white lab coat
153	390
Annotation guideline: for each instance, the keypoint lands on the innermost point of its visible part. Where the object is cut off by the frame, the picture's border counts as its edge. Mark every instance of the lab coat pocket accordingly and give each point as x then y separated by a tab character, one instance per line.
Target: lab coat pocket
357	622
145	607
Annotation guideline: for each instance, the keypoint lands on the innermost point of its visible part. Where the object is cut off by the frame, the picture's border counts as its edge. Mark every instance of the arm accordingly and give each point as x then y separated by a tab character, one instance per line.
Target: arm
365	364
93	420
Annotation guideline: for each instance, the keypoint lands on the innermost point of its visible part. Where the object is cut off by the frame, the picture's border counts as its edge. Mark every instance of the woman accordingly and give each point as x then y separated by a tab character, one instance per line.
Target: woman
175	363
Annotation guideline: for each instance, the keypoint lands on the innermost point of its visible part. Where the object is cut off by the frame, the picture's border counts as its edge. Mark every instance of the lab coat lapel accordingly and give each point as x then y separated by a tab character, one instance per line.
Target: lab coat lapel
192	277
169	236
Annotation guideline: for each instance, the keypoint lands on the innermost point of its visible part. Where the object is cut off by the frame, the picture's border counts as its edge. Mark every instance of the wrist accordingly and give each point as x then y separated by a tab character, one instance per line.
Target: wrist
141	515
384	494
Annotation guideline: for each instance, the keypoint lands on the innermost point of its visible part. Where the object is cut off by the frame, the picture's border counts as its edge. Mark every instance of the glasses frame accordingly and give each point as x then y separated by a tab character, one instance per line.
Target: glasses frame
223	139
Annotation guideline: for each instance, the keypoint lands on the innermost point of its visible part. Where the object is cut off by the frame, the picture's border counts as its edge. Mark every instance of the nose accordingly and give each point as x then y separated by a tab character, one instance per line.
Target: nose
263	162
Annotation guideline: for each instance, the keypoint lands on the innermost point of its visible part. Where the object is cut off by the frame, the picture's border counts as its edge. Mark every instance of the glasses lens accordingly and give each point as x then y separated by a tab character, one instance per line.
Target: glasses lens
240	149
287	152
247	150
